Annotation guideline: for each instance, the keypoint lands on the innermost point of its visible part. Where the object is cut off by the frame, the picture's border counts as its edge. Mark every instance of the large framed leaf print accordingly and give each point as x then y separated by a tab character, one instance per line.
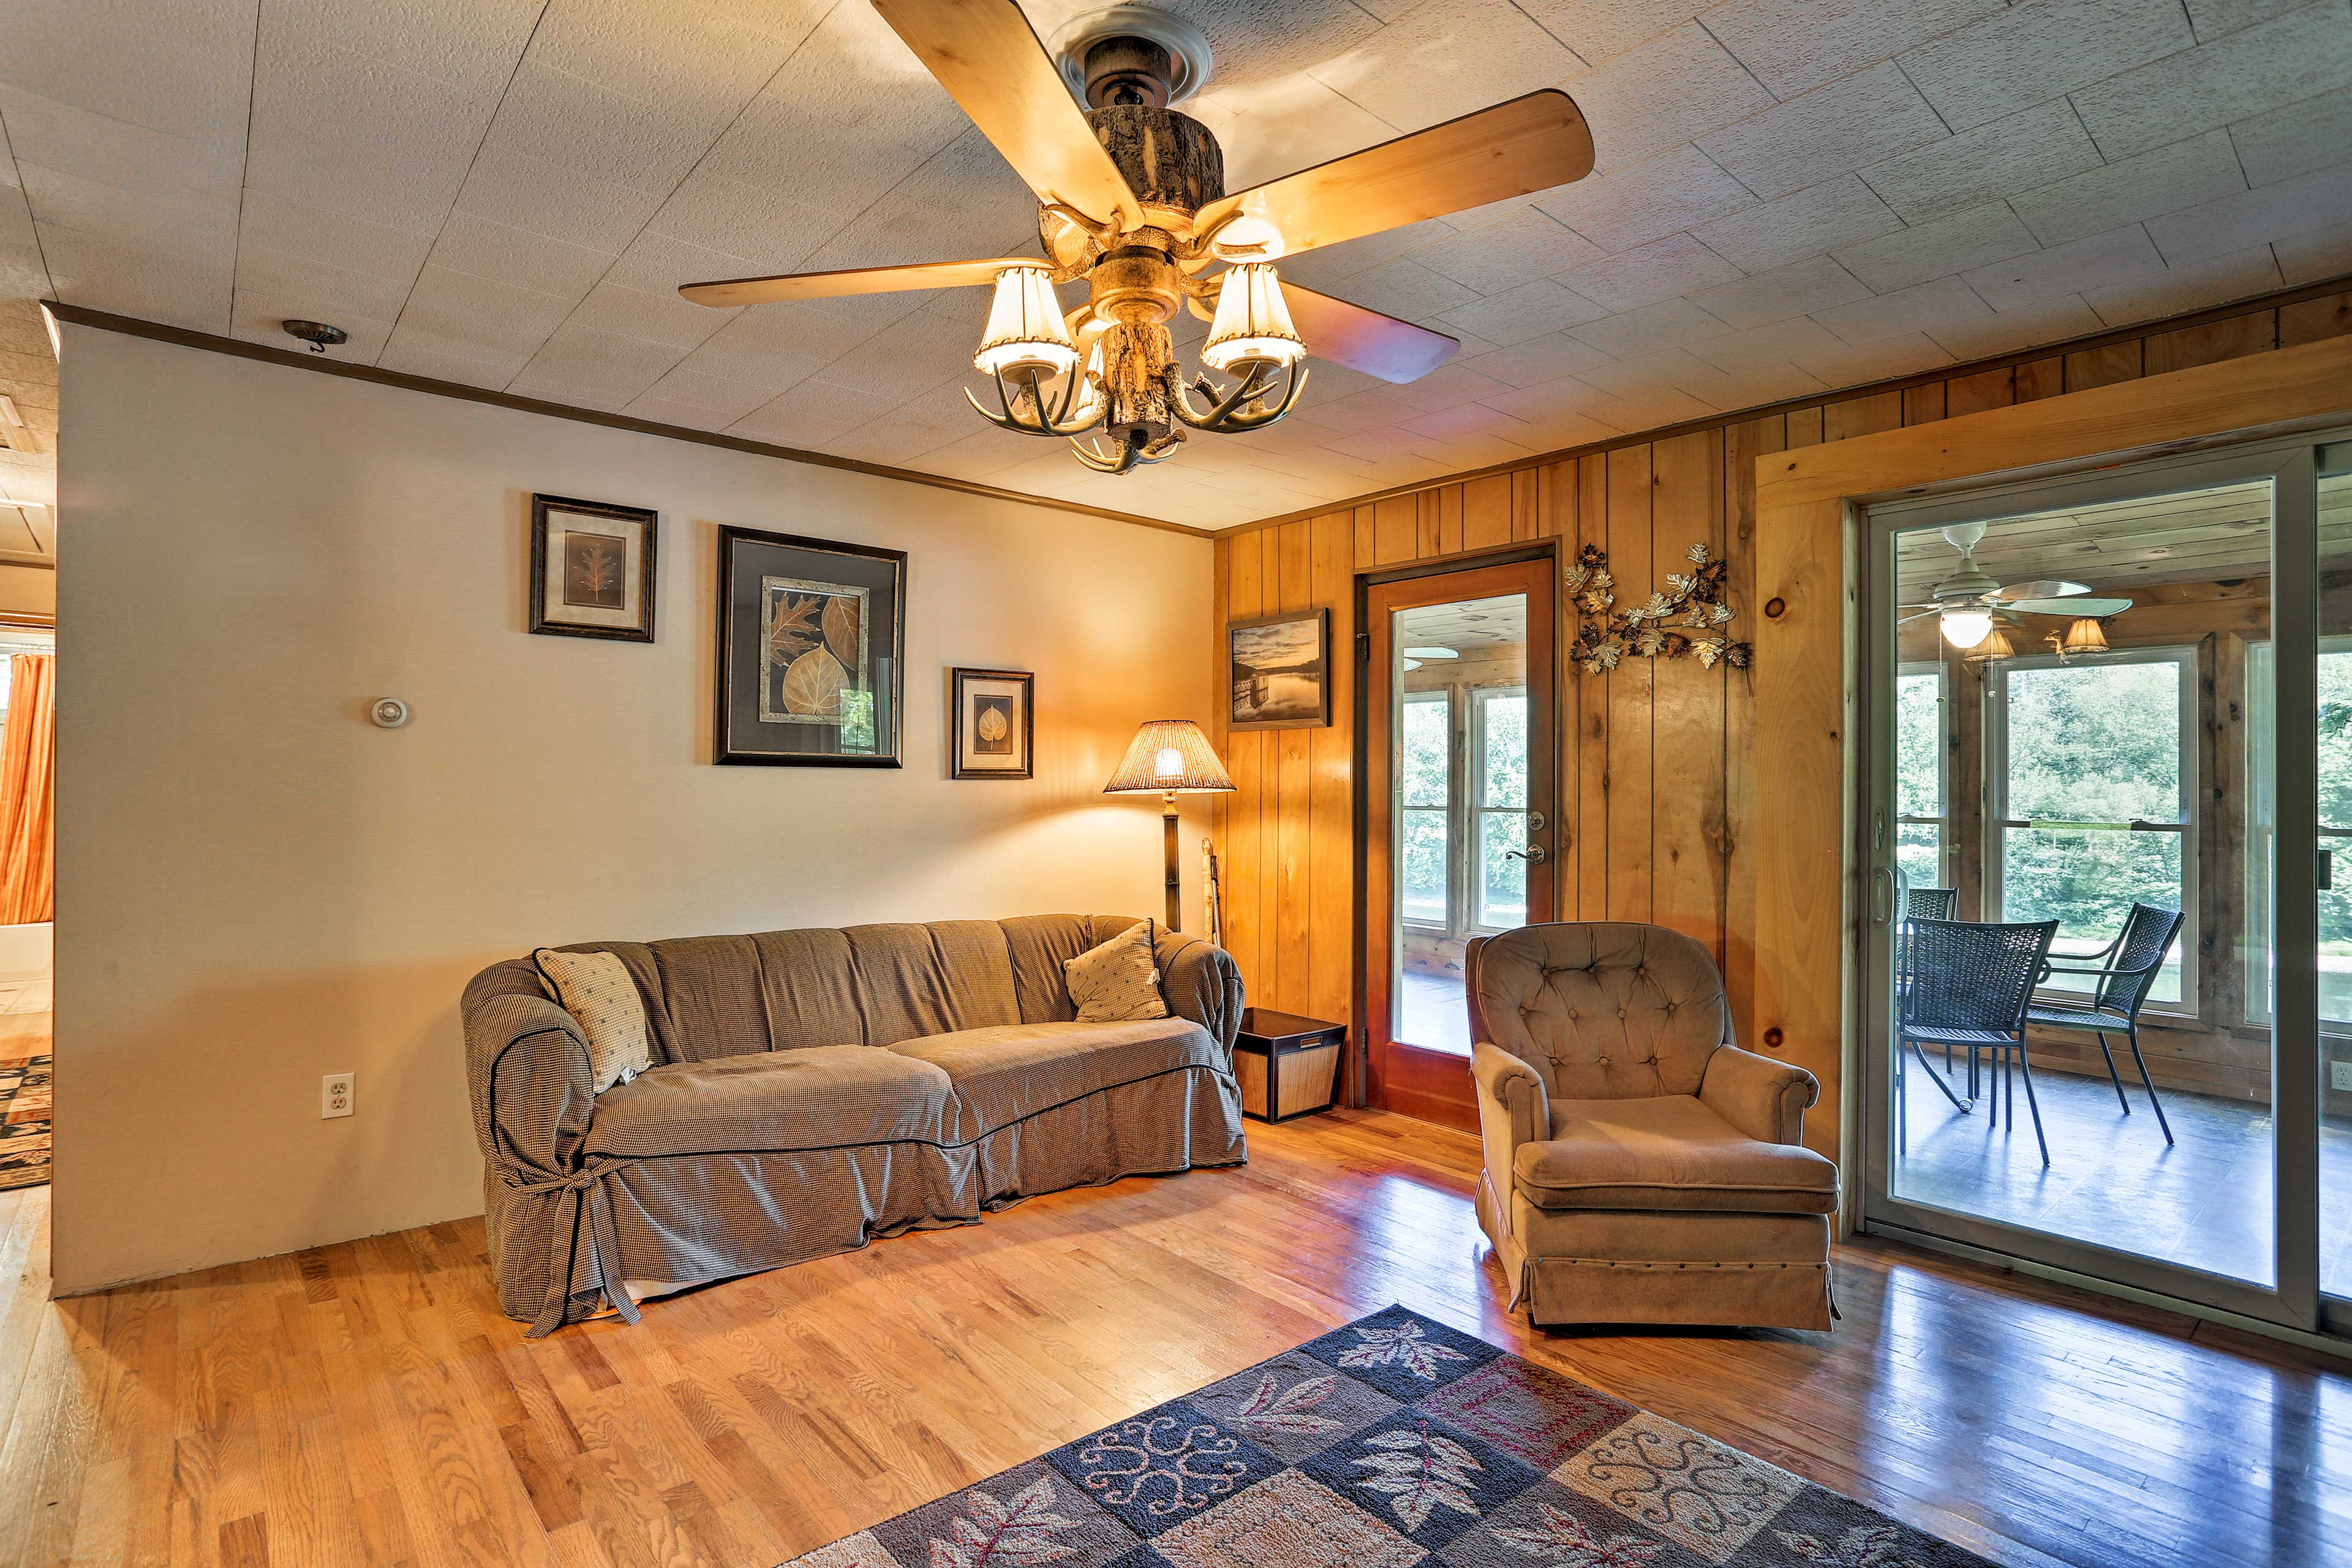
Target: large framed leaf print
812	638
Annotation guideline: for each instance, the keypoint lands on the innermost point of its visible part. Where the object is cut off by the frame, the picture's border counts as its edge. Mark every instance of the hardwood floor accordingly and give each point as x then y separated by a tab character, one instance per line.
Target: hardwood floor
367	1403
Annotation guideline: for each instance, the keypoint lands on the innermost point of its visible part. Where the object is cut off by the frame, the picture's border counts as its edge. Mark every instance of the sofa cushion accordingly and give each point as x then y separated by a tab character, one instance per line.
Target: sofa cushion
1116	982
821	1098
916	980
1668	1151
1004	1074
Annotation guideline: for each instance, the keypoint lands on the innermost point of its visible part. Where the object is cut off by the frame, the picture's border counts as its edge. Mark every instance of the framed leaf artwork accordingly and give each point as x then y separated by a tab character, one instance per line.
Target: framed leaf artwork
810	644
591	569
993	736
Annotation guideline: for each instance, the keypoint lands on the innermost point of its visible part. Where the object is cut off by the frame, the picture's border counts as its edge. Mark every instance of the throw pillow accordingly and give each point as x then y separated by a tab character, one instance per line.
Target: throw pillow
596	990
1119	980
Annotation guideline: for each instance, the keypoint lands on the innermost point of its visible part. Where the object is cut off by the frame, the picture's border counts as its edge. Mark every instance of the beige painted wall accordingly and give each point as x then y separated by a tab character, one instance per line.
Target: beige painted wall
257	887
28	590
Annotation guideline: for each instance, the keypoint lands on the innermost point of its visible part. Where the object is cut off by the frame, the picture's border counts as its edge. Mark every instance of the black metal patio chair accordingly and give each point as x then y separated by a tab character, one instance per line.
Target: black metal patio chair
1970	984
1929	903
2135	957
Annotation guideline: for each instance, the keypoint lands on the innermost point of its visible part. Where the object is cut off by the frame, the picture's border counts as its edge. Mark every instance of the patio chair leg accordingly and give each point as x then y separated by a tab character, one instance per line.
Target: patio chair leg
1929	1069
2112	1077
2141	1062
2025	1069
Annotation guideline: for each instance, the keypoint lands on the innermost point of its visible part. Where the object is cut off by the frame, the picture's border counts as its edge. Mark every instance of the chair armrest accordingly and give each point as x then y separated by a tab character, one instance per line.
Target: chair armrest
1763	1098
1200	980
1514	1108
533	1088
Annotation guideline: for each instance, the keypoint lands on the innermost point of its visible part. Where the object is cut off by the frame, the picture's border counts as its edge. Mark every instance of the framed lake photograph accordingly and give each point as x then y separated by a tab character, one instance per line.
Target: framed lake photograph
992	733
591	569
1280	668
812	638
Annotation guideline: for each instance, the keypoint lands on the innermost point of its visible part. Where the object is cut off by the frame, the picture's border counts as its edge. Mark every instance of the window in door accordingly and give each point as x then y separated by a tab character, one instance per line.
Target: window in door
1920	785
2333	745
1425	810
2094	800
1500	730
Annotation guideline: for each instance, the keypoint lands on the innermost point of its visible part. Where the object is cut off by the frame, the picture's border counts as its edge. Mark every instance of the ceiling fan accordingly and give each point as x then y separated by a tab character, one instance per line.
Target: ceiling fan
1131	199
1967	599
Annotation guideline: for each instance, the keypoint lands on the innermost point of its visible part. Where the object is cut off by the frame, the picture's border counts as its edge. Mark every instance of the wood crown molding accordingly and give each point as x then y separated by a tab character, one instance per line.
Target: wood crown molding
132	326
1817	400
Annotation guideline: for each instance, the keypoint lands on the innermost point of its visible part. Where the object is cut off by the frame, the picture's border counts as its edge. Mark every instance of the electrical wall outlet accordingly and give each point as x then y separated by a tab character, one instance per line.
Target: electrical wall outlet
335	1094
2339	1075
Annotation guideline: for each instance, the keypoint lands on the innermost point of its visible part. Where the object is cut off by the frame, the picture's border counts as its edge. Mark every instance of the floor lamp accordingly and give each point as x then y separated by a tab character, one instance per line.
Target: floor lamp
1166	758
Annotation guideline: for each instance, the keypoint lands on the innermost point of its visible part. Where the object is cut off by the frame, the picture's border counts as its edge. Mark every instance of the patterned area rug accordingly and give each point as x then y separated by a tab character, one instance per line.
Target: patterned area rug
24	1121
1394	1440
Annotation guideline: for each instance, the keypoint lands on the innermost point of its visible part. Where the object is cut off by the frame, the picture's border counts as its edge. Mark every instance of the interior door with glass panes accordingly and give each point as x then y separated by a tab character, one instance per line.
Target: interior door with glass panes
1460	822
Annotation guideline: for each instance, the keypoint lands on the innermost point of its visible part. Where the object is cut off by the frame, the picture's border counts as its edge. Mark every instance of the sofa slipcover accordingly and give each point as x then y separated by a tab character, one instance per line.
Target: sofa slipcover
814	1089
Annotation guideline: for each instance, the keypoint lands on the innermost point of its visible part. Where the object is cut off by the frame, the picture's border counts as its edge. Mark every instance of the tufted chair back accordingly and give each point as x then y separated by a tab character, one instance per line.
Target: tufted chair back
1603	1009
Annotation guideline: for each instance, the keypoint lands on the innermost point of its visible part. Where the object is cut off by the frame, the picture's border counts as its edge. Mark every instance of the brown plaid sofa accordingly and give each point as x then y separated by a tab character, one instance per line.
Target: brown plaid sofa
814	1089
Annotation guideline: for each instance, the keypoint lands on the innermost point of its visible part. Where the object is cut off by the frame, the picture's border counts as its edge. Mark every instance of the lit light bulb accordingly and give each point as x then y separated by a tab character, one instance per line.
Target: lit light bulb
1966	628
1169	763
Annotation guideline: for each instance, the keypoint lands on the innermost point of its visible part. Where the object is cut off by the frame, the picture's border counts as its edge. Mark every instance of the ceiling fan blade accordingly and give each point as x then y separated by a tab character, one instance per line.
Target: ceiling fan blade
988	58
2078	608
2044	588
1527	144
1365	340
857	280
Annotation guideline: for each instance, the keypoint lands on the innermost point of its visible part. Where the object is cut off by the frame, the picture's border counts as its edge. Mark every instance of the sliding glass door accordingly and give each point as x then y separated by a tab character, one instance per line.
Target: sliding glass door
2106	968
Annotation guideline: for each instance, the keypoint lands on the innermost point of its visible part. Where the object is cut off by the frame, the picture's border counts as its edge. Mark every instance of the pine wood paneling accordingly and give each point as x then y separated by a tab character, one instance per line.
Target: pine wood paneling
1686	705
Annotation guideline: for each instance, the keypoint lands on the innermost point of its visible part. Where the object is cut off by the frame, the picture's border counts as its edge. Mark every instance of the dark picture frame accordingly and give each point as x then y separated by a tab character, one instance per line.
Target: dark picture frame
581	576
970	744
1266	659
810	644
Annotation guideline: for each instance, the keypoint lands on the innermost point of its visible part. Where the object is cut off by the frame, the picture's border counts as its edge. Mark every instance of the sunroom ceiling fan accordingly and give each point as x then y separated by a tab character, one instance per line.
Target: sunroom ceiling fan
1131	199
1967	598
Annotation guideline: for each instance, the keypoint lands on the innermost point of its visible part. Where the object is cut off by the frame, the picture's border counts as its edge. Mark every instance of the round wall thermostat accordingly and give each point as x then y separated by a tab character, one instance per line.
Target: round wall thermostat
388	712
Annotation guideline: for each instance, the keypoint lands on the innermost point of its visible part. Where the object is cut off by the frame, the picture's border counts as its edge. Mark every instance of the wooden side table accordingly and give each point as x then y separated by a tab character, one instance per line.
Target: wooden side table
1287	1066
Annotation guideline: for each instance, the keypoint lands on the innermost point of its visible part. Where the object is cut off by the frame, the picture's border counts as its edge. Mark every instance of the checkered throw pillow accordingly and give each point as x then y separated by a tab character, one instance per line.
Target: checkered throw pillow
596	990
1118	981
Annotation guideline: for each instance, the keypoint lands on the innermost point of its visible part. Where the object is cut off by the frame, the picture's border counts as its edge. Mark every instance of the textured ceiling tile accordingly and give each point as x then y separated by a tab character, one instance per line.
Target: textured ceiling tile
410	359
499	316
1866	118
919	351
1766	384
1672	89
965	202
1659	270
663	411
516	256
887	441
2010	331
976	455
1793	46
714	395
656	263
614	363
2196	286
180	67
331	237
1530	311
1669	324
203	226
758	222
2101	261
1289	123
1542	359
1834	213
316	291
1446	58
1603	29
1406	288
2022	56
2166	179
751	362
580	125
1389	443
2298	206
2212	19
1881	360
2281	61
1937	248
556	200
1669	192
2293	139
574	390
1797	289
1447	386
1564	428
693	62
1468	421
1502	255
1761	348
115	152
1323	268
825	400
1985	163
1922	308
2308	257
678	324
1360	411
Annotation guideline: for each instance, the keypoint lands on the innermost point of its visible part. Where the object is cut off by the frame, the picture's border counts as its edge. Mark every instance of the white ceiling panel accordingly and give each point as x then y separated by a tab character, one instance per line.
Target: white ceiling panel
1793	196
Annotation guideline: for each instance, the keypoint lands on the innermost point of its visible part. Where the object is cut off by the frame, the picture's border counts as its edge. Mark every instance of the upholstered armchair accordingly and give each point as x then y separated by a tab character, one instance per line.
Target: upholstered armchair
1640	1168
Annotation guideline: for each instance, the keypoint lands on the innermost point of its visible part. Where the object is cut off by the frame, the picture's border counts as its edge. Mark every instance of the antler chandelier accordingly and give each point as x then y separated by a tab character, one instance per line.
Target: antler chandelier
1132	201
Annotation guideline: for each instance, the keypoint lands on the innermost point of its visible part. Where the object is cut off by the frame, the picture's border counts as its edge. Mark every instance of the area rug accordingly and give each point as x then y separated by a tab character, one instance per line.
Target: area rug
24	1121
1394	1440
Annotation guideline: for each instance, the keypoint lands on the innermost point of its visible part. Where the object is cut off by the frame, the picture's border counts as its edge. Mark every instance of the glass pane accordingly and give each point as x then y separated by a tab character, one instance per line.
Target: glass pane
2087	881
1920	745
1502	880
2095	742
1503	746
1919	851
1421	867
1428	754
2334	746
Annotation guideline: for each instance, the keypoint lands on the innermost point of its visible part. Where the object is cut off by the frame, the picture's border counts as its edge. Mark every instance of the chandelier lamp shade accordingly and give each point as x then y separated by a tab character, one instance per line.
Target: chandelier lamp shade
1252	323
1025	331
1166	758
2085	636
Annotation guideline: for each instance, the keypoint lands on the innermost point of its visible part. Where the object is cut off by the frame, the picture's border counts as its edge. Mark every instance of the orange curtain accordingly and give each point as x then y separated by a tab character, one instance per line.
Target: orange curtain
28	783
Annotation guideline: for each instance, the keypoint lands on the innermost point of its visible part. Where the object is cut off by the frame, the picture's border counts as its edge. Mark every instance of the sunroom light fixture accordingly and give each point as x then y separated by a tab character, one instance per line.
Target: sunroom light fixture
1132	201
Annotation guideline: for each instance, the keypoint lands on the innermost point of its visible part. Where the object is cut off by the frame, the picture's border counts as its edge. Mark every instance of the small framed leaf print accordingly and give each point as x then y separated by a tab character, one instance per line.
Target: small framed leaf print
810	639
591	569
994	734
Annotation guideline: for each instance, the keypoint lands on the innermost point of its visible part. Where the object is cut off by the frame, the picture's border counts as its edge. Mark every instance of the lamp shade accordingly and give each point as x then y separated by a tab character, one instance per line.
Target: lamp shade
1025	326
1252	323
1168	755
2086	636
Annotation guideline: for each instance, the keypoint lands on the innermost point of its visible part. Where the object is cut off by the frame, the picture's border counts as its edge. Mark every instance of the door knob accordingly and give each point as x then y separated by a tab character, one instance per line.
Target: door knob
1533	853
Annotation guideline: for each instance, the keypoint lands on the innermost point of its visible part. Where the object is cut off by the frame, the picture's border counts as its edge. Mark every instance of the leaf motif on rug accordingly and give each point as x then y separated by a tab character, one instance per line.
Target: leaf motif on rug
1420	1471
1292	1410
993	1534
1562	1537
1865	1546
1405	1346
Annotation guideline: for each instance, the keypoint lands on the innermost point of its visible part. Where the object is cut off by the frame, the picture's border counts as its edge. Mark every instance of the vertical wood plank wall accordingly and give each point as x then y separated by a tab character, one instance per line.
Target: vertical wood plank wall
1657	785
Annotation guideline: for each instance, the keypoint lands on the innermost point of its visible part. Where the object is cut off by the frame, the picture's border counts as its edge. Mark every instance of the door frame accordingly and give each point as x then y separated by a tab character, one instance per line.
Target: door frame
1392	1075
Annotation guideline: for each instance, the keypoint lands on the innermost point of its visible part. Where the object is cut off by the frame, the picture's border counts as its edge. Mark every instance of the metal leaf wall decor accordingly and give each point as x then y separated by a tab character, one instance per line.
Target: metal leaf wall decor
1689	619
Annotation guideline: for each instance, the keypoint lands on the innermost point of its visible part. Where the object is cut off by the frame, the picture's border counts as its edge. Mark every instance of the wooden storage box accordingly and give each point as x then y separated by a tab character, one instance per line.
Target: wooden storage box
1287	1066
